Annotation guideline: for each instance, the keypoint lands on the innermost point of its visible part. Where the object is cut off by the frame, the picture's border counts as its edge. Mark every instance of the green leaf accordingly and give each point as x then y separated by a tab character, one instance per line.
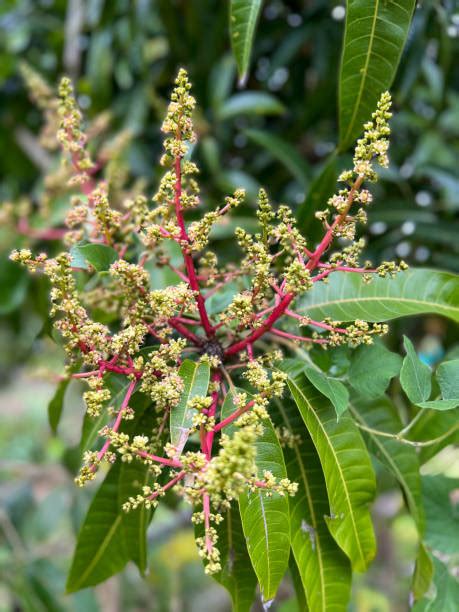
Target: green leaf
100	256
283	152
415	376
321	188
446	591
400	459
347	469
250	103
56	404
318	557
439	404
196	378
336	392
100	551
374	38
300	593
236	575
423	573
417	291
243	20
265	520
433	424
448	379
14	280
442	514
372	368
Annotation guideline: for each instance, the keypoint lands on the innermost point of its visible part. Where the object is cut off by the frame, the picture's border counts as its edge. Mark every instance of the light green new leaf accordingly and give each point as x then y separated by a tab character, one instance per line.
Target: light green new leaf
400	459
448	379
374	38
250	103
423	573
236	575
243	20
318	557
372	368
196	378
265	520
336	392
415	376
347	469
56	404
283	152
442	516
100	551
416	291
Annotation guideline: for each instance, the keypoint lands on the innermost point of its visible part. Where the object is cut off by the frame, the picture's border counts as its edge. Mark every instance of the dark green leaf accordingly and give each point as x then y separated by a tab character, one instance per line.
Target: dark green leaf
423	573
348	472
243	20
374	38
284	152
415	376
318	557
417	291
56	404
372	368
320	190
331	388
250	103
433	424
14	281
196	378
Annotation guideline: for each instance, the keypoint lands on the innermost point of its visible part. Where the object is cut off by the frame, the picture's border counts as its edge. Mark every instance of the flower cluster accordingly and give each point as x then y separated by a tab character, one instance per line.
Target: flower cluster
153	331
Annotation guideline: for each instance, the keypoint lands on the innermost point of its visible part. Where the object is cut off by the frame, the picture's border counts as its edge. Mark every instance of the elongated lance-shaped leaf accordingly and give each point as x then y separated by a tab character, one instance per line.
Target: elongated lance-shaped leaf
400	459
347	469
265	520
243	20
56	405
423	573
318	557
374	38
417	291
196	378
236	575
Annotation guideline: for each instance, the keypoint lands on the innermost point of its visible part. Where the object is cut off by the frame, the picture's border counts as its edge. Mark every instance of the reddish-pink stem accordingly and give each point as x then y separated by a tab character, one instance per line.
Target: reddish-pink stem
169	484
164	460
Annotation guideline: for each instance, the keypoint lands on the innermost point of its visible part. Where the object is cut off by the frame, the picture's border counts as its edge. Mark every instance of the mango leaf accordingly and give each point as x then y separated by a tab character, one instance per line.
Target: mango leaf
56	404
400	459
236	575
250	103
336	392
265	520
243	20
100	256
321	188
447	375
14	281
372	368
442	513
347	469
283	152
100	551
300	594
318	557
374	38
416	291
433	424
439	404
423	573
196	378
446	591
415	376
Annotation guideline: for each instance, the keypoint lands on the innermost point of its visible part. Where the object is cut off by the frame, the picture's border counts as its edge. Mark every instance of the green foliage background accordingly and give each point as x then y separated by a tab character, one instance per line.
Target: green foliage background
280	131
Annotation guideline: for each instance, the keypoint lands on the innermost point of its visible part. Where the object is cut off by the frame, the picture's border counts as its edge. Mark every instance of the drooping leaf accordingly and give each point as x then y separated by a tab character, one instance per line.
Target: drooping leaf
318	557
415	376
372	368
100	256
265	520
423	573
336	392
347	469
196	378
56	404
374	38
400	459
442	513
448	379
416	291
243	20
236	575
250	103
283	151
